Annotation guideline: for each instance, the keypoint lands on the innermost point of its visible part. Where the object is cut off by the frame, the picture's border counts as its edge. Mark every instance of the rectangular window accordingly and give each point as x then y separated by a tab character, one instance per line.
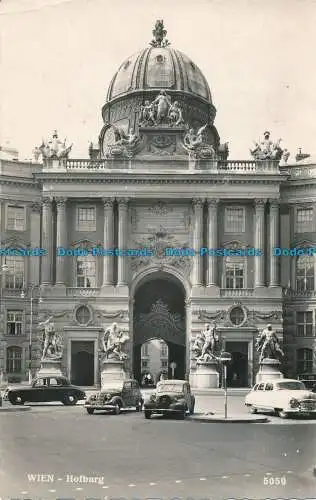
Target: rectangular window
14	322
14	276
164	364
15	218
14	360
234	275
304	324
164	350
86	219
304	220
145	364
86	273
234	220
145	350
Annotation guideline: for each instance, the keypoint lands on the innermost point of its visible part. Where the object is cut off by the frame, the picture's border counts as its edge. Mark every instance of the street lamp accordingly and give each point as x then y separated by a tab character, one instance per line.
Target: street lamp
225	358
23	295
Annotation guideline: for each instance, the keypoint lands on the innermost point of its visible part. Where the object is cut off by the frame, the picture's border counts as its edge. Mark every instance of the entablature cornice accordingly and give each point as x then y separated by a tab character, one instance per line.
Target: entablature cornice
15	181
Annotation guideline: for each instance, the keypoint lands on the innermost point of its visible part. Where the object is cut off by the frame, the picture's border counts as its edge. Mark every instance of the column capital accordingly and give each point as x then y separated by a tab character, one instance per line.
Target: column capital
260	202
212	202
36	207
274	202
108	203
122	202
60	201
198	202
47	200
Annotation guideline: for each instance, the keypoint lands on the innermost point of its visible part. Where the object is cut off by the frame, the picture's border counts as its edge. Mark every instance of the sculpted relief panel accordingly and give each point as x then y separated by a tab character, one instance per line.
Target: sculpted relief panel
175	219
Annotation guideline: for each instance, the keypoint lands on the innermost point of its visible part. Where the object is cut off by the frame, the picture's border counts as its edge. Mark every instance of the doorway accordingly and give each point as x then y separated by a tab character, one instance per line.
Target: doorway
82	363
237	370
159	313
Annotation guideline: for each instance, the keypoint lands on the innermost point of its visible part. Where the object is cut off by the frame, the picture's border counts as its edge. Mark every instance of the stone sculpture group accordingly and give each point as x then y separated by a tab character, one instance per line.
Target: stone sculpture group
161	111
113	341
268	345
206	346
52	341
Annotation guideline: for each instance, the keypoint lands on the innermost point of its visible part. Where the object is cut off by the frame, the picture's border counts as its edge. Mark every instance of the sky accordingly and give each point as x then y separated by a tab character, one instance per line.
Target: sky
58	57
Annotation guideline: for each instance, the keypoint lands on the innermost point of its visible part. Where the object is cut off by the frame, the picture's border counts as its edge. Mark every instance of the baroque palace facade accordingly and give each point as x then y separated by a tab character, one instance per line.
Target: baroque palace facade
158	178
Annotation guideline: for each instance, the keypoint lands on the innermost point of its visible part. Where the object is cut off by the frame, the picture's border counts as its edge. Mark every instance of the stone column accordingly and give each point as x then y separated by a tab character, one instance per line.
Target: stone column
61	240
197	268
259	242
108	240
274	242
122	240
212	207
34	271
47	241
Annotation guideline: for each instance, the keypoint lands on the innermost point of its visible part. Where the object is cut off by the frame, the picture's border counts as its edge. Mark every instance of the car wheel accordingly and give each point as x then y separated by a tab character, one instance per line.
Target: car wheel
70	400
183	414
192	410
117	409
147	414
90	411
283	414
13	399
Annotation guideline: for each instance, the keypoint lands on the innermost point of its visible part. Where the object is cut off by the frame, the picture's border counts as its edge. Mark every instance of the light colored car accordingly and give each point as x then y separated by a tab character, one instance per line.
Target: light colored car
286	397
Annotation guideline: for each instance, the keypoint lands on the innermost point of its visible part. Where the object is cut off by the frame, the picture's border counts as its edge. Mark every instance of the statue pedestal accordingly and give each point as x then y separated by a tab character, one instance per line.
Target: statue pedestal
206	375
112	371
269	370
50	368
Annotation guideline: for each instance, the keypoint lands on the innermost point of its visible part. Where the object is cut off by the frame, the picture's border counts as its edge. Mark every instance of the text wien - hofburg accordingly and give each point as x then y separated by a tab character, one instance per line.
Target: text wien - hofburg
149	252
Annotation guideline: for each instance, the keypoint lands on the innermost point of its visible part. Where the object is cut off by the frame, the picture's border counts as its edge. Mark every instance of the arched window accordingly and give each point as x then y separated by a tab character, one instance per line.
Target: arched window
14	276
83	315
304	361
234	272
14	359
305	270
86	272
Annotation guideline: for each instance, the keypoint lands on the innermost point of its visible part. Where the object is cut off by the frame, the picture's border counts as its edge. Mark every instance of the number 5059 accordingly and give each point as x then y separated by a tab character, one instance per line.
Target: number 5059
274	481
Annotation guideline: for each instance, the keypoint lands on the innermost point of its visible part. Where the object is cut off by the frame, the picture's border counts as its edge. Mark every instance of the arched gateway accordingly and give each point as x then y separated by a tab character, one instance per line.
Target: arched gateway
159	313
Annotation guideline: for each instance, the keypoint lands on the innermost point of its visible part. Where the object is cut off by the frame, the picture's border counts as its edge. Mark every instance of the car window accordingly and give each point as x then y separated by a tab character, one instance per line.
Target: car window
170	388
41	382
255	387
55	381
260	387
135	386
269	387
291	385
127	386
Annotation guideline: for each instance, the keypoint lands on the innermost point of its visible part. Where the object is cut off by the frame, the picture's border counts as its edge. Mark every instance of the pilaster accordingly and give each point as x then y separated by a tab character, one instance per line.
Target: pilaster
46	260
212	240
122	240
259	242
197	268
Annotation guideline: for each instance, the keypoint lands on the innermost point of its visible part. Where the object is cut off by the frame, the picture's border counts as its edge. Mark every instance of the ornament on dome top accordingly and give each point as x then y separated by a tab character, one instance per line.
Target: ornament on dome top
54	149
161	111
267	149
159	33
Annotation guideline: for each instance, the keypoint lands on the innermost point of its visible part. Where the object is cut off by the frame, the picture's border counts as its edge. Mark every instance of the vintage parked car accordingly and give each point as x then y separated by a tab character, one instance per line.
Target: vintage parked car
309	380
170	397
46	389
285	397
115	396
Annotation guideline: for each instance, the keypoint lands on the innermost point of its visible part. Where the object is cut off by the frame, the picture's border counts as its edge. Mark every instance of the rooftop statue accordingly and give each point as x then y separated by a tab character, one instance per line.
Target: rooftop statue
159	34
53	149
268	345
113	342
161	111
267	149
52	342
206	345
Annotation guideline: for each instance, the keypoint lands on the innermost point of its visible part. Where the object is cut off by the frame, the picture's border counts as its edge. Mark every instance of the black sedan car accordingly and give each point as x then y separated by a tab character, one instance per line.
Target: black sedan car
44	389
116	396
171	397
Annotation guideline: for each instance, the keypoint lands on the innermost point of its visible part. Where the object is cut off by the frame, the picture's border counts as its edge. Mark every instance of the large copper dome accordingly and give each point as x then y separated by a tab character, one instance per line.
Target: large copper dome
143	75
157	68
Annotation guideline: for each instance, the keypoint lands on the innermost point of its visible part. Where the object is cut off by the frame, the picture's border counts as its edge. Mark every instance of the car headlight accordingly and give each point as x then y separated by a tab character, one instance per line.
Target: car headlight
294	403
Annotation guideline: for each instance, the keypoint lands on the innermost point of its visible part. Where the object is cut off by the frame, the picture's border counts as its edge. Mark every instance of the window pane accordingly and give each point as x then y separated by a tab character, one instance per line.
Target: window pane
86	272
15	218
14	360
234	220
86	219
304	220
